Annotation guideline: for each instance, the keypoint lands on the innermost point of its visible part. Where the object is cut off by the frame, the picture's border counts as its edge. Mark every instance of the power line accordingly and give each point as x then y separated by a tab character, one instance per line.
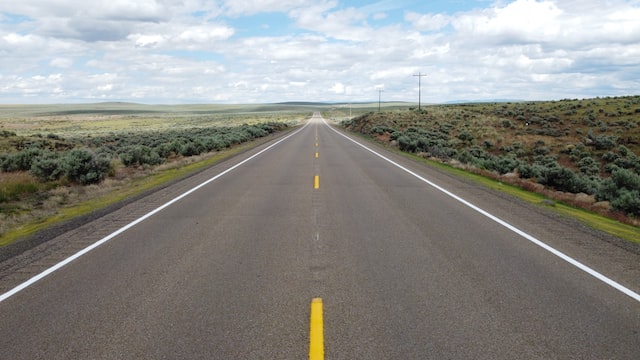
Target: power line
419	75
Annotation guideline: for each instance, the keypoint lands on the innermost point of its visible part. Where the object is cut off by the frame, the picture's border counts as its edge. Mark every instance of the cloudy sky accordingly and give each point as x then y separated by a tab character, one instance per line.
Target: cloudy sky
258	51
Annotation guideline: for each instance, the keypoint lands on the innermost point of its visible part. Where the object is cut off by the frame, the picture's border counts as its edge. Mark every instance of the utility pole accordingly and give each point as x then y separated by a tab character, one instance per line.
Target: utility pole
379	96
419	75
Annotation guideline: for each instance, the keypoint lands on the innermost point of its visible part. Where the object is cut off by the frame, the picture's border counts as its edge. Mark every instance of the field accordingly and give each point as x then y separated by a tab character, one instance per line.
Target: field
60	161
580	152
90	119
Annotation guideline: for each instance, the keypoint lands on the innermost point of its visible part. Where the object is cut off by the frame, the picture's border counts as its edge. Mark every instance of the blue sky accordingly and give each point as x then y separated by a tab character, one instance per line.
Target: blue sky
253	51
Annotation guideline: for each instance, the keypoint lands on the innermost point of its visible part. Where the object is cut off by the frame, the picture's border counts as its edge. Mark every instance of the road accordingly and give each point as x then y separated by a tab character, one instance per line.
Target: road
404	270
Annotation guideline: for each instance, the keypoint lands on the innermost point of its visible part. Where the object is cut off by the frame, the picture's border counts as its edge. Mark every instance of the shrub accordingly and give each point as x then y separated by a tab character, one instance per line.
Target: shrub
20	161
546	160
541	150
548	172
578	152
165	150
465	136
506	164
624	178
589	166
619	190
442	152
48	168
563	179
610	156
603	142
378	129
255	131
139	155
191	148
627	202
407	144
214	143
83	167
54	137
529	171
626	159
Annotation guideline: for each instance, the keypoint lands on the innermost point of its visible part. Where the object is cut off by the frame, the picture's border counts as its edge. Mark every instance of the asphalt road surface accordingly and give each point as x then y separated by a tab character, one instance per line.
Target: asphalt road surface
404	270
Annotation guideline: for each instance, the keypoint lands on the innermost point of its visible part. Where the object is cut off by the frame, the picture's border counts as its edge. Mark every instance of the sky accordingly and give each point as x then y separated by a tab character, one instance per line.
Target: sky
265	51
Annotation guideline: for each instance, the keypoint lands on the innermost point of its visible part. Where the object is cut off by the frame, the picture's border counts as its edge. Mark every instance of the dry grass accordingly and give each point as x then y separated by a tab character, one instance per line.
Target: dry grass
13	188
17	184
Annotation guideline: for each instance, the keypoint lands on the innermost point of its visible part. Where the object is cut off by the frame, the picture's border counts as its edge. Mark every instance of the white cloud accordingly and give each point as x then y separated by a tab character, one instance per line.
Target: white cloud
562	24
37	85
139	10
147	40
394	73
428	22
347	24
14	39
200	50
249	7
338	88
61	62
105	87
523	21
204	34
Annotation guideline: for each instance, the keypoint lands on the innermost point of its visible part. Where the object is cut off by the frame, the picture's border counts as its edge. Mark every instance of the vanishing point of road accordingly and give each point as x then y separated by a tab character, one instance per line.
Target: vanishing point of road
320	245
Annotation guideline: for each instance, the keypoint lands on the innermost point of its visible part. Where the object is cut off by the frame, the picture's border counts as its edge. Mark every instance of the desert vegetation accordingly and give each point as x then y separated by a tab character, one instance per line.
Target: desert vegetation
54	156
88	160
584	152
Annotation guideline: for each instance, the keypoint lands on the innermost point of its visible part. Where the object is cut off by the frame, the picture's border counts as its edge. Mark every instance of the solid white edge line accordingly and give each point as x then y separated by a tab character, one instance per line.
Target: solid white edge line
525	235
73	257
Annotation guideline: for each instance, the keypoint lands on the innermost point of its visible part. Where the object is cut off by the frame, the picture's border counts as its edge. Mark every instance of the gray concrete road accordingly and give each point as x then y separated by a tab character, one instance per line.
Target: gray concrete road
404	270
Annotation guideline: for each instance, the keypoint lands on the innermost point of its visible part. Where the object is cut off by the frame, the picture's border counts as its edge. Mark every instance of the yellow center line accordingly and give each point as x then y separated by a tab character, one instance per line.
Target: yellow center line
316	154
316	331
316	182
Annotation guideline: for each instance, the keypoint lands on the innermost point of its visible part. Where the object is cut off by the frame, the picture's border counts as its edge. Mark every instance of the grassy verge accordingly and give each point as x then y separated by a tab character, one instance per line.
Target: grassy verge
135	187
